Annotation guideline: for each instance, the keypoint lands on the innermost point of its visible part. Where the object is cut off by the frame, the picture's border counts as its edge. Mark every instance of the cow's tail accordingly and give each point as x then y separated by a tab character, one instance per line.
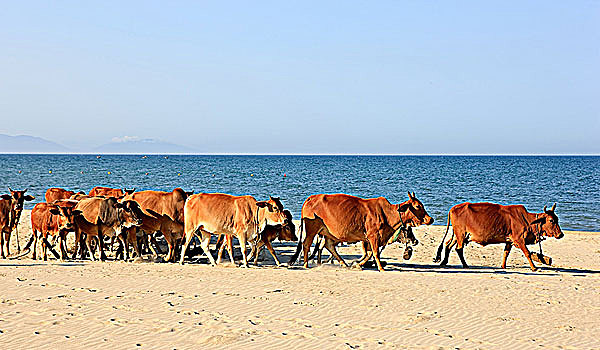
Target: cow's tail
438	256
299	246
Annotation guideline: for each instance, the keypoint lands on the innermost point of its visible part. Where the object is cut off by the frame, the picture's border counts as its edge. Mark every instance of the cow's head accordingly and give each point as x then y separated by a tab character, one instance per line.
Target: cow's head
548	222
66	220
288	230
127	192
273	213
130	213
18	198
413	212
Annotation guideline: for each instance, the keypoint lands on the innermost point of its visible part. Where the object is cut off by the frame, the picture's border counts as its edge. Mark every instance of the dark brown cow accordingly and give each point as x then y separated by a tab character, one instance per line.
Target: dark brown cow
109	192
344	218
52	219
284	232
169	208
218	213
490	223
56	193
11	208
97	217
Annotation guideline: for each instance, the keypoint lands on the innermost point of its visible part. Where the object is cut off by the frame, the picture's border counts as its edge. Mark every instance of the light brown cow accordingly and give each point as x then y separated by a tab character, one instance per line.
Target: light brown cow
344	218
218	213
109	192
52	219
56	193
168	207
491	223
11	207
96	217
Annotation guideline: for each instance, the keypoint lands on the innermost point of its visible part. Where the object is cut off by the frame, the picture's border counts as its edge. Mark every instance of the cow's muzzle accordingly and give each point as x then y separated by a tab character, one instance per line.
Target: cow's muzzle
560	236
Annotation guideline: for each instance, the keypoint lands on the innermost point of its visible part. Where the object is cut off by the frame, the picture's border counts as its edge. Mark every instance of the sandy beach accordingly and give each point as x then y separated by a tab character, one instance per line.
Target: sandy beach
414	304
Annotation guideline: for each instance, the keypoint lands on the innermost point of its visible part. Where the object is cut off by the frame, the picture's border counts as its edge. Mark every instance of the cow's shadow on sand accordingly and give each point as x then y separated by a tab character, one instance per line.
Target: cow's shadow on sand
458	269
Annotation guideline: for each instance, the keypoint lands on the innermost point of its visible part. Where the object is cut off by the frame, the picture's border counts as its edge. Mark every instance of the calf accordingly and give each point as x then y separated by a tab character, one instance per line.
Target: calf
52	219
11	207
283	232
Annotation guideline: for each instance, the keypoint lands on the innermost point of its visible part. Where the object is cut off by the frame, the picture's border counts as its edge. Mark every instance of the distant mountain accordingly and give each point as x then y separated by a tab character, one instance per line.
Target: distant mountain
29	144
143	146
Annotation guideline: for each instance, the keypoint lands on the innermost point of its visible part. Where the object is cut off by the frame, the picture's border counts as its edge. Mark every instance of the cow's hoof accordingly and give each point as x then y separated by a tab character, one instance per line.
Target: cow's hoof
535	269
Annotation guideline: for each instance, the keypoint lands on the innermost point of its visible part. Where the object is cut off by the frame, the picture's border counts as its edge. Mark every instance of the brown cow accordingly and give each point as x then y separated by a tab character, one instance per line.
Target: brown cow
109	192
490	223
285	232
97	217
169	208
52	219
345	218
218	213
56	193
11	207
413	214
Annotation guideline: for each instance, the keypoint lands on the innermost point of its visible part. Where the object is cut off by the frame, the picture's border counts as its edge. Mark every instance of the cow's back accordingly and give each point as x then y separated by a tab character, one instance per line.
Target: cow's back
163	203
90	208
487	223
342	214
217	212
56	193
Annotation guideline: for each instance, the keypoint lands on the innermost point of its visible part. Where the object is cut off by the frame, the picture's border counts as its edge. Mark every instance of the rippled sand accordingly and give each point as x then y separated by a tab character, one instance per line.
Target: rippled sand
414	304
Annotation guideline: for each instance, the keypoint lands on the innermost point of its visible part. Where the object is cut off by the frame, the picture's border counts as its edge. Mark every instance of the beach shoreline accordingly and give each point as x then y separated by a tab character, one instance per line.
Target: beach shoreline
414	304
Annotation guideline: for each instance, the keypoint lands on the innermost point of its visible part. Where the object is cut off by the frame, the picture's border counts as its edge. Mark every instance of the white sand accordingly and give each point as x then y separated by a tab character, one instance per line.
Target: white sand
414	304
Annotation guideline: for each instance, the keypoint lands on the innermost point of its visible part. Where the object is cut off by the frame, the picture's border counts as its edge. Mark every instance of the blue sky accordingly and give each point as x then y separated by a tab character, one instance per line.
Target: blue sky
386	77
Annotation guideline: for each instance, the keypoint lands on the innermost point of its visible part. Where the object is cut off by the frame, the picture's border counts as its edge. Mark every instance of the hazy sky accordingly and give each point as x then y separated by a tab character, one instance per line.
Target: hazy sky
306	77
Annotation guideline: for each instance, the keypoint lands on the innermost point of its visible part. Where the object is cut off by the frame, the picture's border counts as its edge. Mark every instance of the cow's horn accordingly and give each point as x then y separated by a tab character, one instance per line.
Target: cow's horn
545	209
553	207
414	195
409	196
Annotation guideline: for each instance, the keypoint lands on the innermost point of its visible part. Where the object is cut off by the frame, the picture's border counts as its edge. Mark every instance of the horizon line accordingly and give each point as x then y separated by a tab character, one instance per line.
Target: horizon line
298	154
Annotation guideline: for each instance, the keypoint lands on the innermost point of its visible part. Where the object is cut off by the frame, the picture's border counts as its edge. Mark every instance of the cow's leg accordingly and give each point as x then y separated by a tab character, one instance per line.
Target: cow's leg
8	243
88	243
527	254
35	238
330	246
507	248
449	245
101	246
61	242
153	245
242	240
460	243
188	239
204	243
272	251
44	247
122	239
374	243
169	238
2	245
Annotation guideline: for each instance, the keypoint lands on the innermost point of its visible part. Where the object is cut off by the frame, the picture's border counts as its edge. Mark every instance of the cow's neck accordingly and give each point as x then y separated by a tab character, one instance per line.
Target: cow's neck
535	228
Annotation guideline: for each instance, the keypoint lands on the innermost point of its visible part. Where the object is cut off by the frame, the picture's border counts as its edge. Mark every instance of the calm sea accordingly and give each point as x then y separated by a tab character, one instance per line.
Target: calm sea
439	181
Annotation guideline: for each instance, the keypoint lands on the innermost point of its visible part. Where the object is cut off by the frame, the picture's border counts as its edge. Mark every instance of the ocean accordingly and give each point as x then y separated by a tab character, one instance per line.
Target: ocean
440	182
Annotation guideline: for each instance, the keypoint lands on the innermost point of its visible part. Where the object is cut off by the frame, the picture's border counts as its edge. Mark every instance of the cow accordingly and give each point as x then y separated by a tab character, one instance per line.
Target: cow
168	207
11	207
491	223
54	219
411	217
55	193
219	213
345	218
97	217
282	232
109	192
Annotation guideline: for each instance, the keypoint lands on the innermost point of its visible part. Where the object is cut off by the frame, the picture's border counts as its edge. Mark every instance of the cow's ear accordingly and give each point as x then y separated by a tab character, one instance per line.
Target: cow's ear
77	212
409	196
261	204
541	220
55	211
403	207
6	197
28	198
119	205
